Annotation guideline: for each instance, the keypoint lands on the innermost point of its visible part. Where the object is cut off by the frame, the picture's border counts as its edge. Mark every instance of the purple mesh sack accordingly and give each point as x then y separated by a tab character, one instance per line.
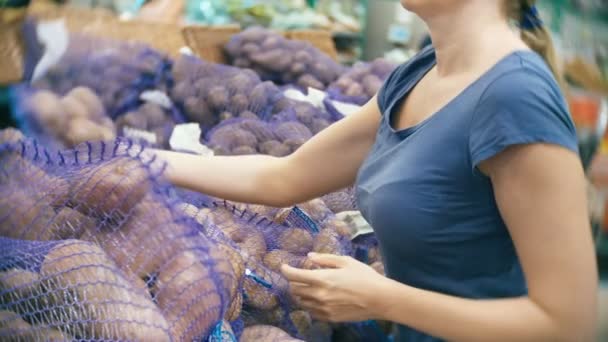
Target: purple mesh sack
361	82
61	121
117	71
210	93
149	124
343	200
96	246
281	60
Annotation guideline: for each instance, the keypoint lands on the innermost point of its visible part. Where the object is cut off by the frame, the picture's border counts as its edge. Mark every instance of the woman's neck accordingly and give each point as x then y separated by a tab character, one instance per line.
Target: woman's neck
465	41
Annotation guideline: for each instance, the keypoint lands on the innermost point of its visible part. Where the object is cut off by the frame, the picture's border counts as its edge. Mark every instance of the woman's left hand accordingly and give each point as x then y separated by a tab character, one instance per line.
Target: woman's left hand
343	291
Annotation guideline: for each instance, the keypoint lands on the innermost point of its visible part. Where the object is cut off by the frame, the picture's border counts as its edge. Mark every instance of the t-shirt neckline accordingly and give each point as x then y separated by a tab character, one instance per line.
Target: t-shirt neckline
405	132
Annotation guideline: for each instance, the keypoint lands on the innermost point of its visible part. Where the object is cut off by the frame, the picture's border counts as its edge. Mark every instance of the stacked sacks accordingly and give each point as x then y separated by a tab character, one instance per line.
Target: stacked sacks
116	71
361	82
157	121
261	239
210	93
95	247
64	121
281	60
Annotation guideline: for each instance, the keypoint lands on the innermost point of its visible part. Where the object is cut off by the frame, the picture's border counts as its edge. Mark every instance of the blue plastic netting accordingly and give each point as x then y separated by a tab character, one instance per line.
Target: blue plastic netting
94	246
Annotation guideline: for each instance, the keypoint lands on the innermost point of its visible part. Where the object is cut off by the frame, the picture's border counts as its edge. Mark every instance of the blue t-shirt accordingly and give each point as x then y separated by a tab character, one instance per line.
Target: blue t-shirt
433	211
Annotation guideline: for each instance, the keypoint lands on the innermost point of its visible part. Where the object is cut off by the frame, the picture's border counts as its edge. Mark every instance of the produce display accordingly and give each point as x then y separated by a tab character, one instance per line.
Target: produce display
95	244
65	121
210	93
116	71
361	82
93	247
283	61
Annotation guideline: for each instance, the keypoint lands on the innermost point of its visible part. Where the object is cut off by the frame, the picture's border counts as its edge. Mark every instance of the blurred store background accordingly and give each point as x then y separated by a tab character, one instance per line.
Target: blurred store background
349	31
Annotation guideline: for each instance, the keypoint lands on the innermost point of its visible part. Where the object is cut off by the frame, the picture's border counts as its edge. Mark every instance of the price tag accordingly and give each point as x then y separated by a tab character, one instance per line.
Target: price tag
157	97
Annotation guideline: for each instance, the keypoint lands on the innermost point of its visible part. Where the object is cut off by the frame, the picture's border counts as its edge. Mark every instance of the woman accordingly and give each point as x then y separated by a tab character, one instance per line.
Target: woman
466	166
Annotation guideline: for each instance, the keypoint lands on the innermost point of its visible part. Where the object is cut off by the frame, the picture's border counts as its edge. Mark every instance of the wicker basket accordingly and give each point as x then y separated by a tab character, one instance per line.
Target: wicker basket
166	38
11	45
207	42
320	39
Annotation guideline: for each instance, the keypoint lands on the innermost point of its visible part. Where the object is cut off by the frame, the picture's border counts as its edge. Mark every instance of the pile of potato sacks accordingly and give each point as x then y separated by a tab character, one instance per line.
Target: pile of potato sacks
77	117
95	247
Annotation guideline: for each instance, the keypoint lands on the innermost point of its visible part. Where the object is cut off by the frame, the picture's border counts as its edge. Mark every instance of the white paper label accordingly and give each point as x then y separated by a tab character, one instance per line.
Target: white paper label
315	96
186	138
138	134
345	108
55	38
157	97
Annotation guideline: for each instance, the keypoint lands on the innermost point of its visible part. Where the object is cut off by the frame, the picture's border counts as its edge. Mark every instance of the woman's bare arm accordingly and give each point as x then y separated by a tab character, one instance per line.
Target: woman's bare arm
327	162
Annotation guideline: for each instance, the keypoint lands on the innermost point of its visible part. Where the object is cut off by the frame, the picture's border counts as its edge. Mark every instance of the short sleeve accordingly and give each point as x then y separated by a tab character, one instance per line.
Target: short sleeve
523	106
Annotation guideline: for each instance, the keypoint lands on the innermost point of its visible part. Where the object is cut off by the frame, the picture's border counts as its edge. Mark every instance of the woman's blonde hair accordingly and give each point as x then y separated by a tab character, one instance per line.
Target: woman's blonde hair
538	37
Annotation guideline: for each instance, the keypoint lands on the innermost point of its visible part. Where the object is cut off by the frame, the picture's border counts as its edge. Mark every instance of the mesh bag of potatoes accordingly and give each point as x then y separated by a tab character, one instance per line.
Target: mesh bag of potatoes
281	60
284	133
62	121
95	246
210	93
260	239
116	71
360	82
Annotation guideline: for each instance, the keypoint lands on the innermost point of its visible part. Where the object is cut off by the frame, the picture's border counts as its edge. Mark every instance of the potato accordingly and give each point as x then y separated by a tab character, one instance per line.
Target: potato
225	115
188	297
355	89
93	300
266	333
293	130
316	209
247	114
327	242
295	240
14	328
318	125
258	98
133	120
73	108
339	227
303	56
47	107
71	224
229	267
302	321
309	81
247	239
198	111
20	291
218	97
297	68
149	227
10	136
89	99
277	258
111	189
235	307
274	148
241	63
250	49
371	84
181	91
253	34
259	129
243	150
155	115
239	102
80	130
257	294
24	215
374	255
